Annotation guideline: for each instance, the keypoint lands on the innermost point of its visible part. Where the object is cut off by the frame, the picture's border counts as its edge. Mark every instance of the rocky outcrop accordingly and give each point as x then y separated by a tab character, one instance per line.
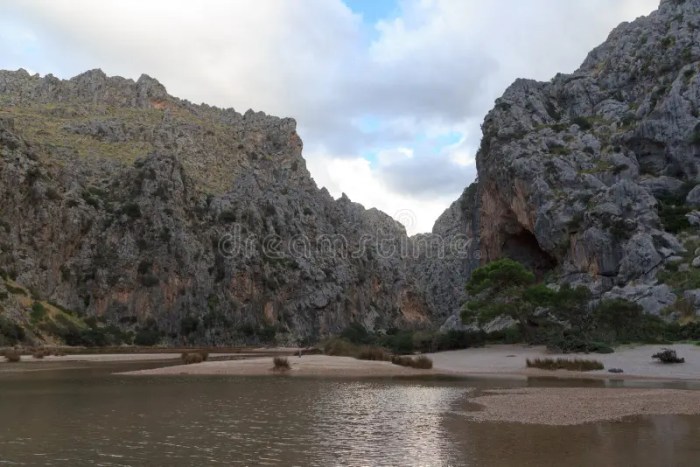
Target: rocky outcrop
442	260
124	203
588	178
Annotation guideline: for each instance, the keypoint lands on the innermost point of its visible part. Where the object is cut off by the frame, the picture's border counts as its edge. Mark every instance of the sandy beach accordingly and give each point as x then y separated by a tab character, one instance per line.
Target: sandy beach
121	357
308	365
574	406
491	361
509	360
539	405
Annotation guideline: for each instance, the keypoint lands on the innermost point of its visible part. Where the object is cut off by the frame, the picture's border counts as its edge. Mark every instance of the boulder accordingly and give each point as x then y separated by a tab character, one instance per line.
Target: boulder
693	197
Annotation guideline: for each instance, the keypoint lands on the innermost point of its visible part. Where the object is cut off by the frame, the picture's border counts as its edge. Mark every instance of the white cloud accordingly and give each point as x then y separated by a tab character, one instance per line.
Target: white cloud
432	70
387	157
345	175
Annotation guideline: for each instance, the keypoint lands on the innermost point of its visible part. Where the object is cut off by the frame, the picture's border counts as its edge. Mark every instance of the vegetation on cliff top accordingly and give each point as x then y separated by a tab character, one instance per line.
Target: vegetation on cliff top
564	318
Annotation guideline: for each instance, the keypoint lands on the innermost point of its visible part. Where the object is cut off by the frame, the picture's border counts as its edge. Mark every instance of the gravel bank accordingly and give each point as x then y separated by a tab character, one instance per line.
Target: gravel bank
574	406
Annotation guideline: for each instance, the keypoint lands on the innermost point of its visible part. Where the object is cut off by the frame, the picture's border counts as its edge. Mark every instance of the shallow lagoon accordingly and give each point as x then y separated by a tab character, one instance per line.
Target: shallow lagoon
83	414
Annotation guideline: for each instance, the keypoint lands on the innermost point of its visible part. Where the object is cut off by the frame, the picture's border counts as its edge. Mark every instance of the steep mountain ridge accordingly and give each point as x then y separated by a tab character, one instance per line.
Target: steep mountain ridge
124	203
203	225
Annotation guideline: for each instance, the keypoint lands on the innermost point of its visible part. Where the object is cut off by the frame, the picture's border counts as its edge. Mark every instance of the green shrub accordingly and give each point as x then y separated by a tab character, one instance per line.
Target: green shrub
623	322
453	340
570	343
189	325
373	353
687	332
148	335
10	332
15	290
424	341
400	343
695	136
673	208
681	280
132	210
357	334
565	364
38	312
339	347
93	337
584	123
267	333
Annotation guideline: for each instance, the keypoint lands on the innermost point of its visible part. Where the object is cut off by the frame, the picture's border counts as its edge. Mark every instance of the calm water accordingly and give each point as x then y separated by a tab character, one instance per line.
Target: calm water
91	417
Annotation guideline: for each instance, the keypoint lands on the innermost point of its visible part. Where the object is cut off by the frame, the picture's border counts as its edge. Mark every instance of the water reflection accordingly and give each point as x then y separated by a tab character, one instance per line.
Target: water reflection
390	424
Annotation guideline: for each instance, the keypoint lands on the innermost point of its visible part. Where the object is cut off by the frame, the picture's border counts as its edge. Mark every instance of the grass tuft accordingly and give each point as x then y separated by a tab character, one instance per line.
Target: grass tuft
565	364
373	353
339	347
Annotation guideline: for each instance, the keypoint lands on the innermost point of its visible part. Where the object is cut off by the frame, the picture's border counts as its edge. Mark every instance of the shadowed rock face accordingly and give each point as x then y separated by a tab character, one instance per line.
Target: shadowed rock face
122	202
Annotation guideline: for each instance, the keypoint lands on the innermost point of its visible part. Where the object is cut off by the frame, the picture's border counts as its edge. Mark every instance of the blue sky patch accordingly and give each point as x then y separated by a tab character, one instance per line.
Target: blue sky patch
373	11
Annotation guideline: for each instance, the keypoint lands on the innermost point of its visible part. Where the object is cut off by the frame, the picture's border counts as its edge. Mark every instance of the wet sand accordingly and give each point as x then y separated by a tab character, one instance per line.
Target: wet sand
107	358
574	406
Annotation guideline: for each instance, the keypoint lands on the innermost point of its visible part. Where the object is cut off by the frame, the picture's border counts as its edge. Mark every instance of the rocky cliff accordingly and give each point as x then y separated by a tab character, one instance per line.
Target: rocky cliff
202	225
592	178
123	203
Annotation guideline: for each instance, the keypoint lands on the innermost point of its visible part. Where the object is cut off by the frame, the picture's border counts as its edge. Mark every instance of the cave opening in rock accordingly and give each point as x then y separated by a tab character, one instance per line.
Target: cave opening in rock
524	248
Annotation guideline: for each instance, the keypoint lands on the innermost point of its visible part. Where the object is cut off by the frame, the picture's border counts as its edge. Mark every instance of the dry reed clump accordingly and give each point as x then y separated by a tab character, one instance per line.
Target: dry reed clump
421	362
194	357
281	364
565	364
12	355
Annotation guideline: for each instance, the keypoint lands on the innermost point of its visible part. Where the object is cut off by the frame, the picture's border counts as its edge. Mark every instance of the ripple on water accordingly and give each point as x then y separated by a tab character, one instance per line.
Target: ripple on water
290	421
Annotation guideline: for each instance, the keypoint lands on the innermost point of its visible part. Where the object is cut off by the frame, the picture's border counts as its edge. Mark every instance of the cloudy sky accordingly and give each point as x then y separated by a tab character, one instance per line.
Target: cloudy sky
389	95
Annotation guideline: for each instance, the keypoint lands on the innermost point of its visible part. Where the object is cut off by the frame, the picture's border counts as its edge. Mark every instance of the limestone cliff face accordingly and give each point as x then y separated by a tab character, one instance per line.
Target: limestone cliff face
121	202
589	178
443	259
